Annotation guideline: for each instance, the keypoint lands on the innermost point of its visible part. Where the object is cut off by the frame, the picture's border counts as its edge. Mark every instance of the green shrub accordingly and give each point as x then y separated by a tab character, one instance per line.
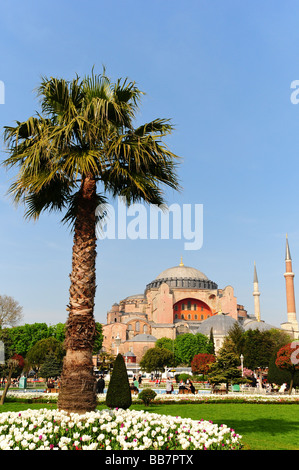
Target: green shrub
119	393
147	395
183	377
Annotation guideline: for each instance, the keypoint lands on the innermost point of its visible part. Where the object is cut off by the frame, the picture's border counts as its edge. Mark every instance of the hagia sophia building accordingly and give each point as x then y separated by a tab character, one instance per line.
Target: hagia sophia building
181	300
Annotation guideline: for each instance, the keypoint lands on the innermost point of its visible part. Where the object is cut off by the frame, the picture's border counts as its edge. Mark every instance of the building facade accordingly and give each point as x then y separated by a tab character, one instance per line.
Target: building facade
181	300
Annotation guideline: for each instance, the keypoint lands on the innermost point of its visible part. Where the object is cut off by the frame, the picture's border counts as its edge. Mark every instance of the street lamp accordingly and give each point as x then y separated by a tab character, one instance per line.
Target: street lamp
242	357
117	342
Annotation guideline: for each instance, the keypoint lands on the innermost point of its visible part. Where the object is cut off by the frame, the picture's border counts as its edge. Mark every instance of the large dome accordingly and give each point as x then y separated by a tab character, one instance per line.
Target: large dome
181	272
182	277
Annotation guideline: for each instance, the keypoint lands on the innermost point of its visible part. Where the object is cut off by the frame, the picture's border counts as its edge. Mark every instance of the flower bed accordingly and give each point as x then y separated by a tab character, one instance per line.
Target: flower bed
111	430
238	397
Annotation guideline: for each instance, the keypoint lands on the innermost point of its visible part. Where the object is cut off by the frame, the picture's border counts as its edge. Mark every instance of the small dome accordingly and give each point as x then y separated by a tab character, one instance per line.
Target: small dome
129	354
220	323
182	272
136	296
258	325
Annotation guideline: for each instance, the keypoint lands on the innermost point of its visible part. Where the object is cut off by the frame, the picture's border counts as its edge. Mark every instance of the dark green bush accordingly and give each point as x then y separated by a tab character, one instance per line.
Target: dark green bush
119	393
147	395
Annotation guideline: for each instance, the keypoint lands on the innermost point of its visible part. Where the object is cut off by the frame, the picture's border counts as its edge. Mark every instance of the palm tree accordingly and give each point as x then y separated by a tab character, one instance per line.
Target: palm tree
79	149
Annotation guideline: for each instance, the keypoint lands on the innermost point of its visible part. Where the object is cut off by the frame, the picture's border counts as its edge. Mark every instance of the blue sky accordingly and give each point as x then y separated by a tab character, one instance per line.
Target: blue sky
221	70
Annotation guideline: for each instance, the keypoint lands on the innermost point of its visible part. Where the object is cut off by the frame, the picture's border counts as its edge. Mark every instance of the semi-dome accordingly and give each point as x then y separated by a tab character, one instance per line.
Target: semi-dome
182	277
220	323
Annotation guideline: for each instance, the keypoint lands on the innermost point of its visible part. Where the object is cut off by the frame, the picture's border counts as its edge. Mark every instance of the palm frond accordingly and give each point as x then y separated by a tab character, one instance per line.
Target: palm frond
86	128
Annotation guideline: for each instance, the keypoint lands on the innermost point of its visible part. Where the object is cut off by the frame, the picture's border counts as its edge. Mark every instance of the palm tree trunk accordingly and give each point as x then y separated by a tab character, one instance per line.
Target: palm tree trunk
78	383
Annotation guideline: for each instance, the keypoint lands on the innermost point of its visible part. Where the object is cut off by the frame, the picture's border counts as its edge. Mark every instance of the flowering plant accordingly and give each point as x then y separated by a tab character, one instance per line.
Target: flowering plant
111	430
236	397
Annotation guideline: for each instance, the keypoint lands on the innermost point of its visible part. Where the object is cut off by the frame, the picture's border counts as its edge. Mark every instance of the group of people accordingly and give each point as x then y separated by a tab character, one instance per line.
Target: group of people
100	386
186	386
136	383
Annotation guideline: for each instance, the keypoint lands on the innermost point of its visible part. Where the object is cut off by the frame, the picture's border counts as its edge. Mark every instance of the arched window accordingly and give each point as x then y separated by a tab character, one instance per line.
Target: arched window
137	326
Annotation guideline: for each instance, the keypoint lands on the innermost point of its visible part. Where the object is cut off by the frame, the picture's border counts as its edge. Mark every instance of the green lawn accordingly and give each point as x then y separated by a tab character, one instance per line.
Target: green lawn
263	427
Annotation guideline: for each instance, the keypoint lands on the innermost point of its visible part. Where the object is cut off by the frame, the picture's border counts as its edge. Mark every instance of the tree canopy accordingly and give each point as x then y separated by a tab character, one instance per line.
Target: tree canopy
226	369
257	346
156	359
185	347
10	311
287	360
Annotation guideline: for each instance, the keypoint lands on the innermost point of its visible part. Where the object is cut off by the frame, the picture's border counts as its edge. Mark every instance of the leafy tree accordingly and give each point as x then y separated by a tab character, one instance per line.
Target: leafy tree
38	353
170	345
226	368
98	341
279	376
57	331
51	367
119	393
201	363
81	147
188	345
16	362
22	338
236	334
10	311
156	359
166	343
287	360
259	347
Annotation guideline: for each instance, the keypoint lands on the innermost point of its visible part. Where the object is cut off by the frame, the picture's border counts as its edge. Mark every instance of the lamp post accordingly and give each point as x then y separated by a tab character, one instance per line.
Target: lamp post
241	358
117	342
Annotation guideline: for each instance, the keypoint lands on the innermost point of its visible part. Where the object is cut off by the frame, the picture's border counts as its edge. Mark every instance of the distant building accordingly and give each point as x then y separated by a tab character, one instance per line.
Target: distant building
181	300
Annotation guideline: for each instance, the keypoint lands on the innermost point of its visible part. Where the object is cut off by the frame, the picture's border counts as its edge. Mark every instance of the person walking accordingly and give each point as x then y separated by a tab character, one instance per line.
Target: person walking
136	384
168	386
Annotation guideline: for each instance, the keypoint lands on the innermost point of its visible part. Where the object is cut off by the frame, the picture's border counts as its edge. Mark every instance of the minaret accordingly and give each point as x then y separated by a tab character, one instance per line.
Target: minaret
290	293
256	294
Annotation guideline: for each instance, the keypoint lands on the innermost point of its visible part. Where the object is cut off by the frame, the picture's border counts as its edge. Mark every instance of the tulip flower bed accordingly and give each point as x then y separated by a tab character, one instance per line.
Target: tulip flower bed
38	397
111	430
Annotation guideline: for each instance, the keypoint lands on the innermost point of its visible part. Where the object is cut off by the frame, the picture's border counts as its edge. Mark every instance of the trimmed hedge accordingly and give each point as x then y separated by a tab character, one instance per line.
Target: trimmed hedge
119	393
